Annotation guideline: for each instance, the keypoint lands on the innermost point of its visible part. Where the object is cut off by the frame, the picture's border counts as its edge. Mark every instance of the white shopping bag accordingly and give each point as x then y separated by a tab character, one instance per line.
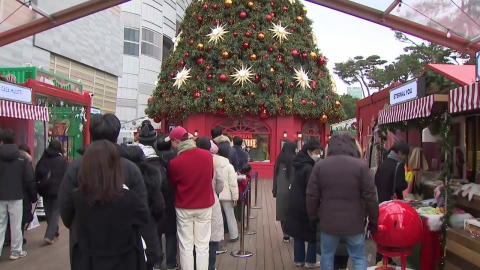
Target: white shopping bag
34	224
143	241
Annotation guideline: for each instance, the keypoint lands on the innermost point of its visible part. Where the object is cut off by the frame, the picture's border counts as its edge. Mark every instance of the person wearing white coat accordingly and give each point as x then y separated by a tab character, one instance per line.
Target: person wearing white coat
229	196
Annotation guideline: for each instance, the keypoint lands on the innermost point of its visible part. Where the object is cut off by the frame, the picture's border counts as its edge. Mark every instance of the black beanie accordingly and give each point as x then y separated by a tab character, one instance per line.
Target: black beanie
216	132
147	135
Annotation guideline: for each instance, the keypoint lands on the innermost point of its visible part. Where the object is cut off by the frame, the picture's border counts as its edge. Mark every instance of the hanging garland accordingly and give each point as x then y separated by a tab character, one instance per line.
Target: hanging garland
446	145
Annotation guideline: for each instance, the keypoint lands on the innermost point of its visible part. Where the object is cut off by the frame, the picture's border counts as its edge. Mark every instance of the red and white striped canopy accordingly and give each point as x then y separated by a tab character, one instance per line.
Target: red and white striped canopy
465	98
23	111
414	109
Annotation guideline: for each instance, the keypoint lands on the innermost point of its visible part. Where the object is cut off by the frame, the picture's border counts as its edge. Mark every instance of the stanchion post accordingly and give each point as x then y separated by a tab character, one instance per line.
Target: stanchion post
248	231
256	206
242	253
249	206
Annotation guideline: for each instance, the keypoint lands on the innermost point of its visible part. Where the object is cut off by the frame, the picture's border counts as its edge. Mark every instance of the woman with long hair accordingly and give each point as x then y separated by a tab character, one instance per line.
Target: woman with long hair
282	181
105	215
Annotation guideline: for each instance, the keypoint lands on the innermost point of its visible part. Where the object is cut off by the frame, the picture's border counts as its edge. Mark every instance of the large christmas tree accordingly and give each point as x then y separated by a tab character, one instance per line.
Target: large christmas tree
238	57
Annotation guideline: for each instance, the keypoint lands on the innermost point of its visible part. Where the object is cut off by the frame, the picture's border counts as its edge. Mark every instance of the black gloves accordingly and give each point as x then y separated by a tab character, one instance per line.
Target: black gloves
314	223
372	227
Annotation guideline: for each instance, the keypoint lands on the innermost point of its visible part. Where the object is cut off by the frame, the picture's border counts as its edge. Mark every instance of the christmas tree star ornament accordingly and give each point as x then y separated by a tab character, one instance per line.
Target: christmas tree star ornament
176	40
302	78
242	75
181	77
279	32
217	33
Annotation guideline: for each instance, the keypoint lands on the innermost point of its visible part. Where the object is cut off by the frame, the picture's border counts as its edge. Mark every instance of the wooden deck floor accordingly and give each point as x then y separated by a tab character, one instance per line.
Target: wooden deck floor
269	250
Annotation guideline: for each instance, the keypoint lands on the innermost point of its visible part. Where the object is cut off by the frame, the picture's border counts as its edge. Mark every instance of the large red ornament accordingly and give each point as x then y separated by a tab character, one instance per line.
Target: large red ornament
200	19
205	6
200	60
304	102
157	119
197	95
304	55
243	15
223	78
183	107
264	114
150	99
246	45
269	17
295	53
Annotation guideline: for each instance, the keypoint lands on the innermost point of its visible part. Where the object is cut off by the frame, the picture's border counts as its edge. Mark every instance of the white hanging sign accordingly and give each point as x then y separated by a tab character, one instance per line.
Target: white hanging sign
404	93
16	93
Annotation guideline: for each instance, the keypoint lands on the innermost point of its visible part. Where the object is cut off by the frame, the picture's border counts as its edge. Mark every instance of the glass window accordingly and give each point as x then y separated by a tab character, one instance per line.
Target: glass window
151	50
167	47
131	34
130	48
152	37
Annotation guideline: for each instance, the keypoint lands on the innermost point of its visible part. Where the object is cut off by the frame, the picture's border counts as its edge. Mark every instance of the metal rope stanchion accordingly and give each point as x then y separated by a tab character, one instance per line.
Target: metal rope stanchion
248	231
249	206
242	253
256	206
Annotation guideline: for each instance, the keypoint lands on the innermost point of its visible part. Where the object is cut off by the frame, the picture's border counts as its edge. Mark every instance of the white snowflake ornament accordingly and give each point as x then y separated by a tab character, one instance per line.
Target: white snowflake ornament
242	75
302	78
181	78
279	32
217	33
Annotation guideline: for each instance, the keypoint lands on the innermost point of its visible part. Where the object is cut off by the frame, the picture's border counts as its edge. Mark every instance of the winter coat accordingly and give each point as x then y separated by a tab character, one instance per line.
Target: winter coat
133	180
218	184
108	235
341	190
386	182
168	224
242	156
230	188
49	172
16	175
281	190
297	224
223	141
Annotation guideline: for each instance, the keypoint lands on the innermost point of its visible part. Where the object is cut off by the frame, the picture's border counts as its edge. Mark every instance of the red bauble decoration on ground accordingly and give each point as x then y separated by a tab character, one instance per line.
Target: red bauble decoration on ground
321	61
197	95
209	76
243	15
200	60
220	111
187	54
172	75
157	119
205	6
269	17
223	78
304	55
246	45
264	114
264	87
247	34
183	107
209	89
304	102
257	78
200	19
295	53
150	99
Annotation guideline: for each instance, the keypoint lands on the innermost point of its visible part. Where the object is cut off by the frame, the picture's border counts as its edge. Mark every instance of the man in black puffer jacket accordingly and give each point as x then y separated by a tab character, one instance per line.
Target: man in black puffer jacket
102	127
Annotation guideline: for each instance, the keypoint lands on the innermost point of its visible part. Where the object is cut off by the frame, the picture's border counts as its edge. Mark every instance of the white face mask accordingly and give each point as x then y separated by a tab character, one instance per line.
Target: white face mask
315	157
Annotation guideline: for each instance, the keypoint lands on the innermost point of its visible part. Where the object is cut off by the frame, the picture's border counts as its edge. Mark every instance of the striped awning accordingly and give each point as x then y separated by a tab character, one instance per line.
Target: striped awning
414	109
23	111
465	98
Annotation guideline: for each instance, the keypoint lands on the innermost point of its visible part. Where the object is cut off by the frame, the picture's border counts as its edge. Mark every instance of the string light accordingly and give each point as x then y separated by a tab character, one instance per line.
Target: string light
448	33
399	7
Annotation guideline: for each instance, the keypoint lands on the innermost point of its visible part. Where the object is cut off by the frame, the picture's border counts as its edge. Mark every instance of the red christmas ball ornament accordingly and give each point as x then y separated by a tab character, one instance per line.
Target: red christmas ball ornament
235	34
292	85
209	48
246	45
247	34
197	77
280	82
264	87
285	8
157	119
295	53
183	107
230	21
215	6
207	67
196	95
270	50
314	85
217	21
304	55
264	114
200	19
209	76
265	56
273	14
172	75
200	60
205	6
262	105
326	97
279	59
209	89
321	61
243	15
182	63
191	42
303	101
176	94
279	92
220	111
223	78
254	26
280	110
269	17
257	78
187	54
164	92
272	4
292	31
150	99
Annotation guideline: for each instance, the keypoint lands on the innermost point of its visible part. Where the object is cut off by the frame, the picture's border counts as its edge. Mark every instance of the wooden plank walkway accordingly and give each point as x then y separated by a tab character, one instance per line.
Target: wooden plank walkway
269	250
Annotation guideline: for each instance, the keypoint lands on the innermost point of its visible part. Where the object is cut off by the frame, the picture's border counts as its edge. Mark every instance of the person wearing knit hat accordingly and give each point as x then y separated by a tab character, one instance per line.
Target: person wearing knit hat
147	135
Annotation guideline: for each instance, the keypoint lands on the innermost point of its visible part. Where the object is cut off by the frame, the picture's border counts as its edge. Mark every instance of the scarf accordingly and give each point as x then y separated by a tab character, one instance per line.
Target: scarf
394	156
186	145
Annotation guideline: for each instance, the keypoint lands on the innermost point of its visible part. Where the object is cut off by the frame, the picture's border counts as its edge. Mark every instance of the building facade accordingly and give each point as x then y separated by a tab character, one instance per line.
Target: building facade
149	27
355	91
88	50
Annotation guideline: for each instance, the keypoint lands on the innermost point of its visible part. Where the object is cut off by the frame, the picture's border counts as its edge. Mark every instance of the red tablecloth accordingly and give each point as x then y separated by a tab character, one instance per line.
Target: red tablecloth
431	250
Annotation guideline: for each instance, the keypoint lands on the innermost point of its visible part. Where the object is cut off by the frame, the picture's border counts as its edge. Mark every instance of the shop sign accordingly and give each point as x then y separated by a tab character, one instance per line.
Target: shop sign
408	91
248	139
58	82
95	111
15	93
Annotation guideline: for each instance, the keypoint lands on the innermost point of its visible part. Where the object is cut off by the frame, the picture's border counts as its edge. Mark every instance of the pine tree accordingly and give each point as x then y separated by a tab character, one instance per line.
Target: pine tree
237	57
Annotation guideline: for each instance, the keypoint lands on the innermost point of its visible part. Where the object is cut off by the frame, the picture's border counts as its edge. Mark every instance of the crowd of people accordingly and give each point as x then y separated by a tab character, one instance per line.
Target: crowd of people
119	201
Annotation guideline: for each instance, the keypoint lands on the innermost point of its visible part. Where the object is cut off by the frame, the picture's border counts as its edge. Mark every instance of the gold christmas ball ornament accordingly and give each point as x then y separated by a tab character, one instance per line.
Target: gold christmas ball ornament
200	46
299	19
250	5
261	36
228	3
253	57
225	54
313	55
323	119
272	70
220	99
304	9
338	104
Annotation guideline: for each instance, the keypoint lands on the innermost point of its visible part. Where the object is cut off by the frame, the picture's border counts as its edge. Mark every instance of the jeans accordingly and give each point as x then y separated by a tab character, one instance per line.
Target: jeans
52	214
230	217
355	247
194	227
12	210
171	245
212	255
299	251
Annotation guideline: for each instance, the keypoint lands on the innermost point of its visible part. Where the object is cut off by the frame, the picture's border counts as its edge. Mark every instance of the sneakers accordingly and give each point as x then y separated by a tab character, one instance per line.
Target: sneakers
221	251
312	265
49	241
286	239
17	255
299	265
175	268
233	240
